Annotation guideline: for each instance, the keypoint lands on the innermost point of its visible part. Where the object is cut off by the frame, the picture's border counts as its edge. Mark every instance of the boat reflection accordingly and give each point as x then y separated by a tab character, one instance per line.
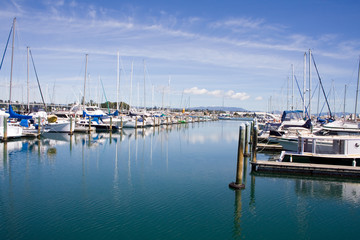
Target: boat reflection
347	191
317	187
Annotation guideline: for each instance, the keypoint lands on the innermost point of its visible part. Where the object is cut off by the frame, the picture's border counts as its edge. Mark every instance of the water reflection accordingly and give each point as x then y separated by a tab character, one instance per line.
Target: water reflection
165	181
347	191
237	214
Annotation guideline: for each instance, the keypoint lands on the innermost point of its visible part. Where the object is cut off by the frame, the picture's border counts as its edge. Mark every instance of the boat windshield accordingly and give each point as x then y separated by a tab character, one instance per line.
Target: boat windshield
290	116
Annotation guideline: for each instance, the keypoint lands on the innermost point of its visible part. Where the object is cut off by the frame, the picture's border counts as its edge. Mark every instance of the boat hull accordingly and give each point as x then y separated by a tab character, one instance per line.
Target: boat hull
63	127
339	160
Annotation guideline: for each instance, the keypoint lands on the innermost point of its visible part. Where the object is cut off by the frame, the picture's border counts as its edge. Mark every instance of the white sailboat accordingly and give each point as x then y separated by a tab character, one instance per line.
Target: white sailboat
7	130
343	126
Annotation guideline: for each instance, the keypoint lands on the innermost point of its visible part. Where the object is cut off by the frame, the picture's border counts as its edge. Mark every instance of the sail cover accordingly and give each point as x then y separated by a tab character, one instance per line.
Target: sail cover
16	115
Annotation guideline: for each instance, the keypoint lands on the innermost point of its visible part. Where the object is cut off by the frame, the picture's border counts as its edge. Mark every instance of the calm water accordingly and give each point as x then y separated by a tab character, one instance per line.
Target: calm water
163	184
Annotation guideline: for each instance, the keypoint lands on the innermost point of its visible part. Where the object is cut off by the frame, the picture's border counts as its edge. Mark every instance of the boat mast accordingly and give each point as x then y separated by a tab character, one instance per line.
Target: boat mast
287	94
292	86
144	88
310	83
28	86
131	78
304	87
152	98
86	62
138	96
318	102
345	102
12	59
169	93
117	82
333	87
357	90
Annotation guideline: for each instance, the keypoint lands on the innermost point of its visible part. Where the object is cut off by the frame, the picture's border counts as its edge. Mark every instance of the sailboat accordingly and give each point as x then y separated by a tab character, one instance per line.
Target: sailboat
91	116
343	126
46	125
9	130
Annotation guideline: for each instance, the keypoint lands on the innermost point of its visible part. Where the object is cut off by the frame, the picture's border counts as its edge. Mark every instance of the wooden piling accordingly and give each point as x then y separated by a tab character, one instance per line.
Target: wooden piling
135	122
39	126
89	124
71	125
252	130
5	129
121	123
254	143
111	122
246	140
240	161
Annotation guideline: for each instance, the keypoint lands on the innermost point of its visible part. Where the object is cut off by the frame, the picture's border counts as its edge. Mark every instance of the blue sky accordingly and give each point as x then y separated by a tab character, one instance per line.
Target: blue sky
213	53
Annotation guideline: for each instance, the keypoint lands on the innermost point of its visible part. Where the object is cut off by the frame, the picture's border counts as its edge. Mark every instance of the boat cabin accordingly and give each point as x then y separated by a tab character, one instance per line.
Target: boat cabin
337	145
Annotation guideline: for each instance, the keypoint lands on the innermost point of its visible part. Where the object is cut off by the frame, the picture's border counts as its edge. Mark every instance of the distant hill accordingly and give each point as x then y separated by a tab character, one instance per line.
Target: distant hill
220	108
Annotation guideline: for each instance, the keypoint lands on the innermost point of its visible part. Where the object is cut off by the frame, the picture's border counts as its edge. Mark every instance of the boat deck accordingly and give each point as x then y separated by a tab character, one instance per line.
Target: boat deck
272	147
306	169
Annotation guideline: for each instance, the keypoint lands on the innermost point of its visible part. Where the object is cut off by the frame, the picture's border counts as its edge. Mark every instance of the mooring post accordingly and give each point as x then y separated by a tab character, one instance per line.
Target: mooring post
39	127
111	124
143	125
75	120
89	124
252	130
240	161
5	129
246	141
135	122
71	125
254	143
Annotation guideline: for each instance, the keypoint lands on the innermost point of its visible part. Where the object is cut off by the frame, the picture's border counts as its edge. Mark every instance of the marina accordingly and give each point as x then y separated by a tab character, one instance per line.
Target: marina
183	120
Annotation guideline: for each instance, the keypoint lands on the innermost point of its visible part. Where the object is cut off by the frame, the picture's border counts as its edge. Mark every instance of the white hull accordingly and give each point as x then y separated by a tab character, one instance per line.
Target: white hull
63	126
11	130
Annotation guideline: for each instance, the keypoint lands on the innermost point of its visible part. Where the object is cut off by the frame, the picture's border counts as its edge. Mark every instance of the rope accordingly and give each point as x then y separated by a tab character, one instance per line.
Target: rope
37	78
7	43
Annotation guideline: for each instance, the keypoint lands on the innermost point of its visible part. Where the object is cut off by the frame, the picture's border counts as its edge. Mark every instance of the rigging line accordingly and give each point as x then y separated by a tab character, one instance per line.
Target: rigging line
7	43
322	87
313	93
328	95
105	95
301	95
37	78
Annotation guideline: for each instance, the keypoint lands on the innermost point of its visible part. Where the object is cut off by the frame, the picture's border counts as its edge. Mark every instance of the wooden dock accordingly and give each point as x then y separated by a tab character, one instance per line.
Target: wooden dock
306	169
269	147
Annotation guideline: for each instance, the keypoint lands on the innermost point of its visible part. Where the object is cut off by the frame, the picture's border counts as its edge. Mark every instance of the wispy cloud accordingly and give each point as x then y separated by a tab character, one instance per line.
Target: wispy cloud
238	22
217	93
248	50
196	91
